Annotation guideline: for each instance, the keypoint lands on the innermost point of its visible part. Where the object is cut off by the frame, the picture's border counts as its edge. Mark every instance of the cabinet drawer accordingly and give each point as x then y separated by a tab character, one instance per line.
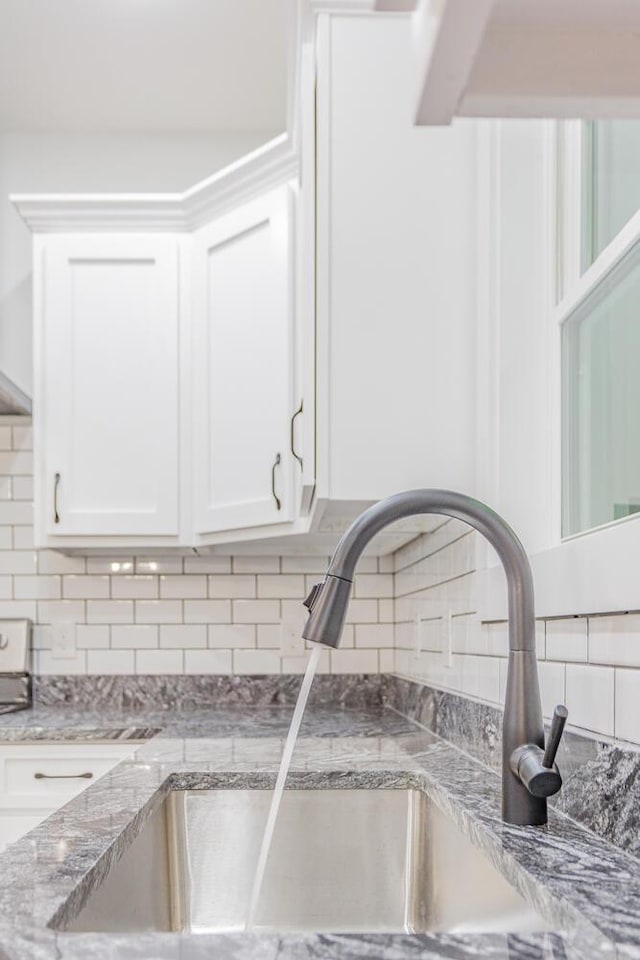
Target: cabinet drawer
49	776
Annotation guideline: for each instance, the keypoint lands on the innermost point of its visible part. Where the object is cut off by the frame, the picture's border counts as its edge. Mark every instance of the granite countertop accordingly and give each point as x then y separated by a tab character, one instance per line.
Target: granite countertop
577	881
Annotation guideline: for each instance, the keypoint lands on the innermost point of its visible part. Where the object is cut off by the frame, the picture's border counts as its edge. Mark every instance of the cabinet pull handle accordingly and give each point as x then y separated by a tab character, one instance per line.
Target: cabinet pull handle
293	442
56	484
276	463
63	776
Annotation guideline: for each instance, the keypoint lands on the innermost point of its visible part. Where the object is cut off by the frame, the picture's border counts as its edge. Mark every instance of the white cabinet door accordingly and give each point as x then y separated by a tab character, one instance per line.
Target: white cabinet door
243	356
107	373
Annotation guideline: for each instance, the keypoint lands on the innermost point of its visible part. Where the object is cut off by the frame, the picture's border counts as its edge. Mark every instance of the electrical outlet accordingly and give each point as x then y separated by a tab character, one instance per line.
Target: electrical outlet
63	641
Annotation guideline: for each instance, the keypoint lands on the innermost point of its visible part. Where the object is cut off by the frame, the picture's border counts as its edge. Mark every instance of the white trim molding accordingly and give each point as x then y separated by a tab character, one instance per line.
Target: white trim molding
271	165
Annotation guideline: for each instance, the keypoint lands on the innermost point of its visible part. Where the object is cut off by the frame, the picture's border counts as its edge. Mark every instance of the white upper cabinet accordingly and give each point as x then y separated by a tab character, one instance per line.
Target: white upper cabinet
106	406
396	262
243	355
261	357
518	58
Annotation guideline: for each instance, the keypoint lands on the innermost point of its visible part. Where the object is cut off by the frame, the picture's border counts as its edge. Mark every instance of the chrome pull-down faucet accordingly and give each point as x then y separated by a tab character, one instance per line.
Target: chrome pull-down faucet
529	773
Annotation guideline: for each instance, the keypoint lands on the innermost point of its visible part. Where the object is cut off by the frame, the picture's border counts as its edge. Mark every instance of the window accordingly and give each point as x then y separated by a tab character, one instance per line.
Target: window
600	326
610	182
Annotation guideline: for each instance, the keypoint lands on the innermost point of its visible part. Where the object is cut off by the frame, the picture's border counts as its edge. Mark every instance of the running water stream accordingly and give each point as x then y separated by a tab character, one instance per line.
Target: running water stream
276	799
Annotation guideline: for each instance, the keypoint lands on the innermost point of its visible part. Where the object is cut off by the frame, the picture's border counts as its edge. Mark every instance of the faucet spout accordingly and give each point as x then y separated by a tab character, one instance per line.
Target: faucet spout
522	725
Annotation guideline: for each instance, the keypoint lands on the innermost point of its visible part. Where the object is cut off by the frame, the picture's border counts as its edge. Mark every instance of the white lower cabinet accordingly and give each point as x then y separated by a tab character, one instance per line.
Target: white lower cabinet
36	779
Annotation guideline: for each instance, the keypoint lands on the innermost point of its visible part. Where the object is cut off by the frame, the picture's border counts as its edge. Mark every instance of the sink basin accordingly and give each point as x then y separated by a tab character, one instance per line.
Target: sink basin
356	860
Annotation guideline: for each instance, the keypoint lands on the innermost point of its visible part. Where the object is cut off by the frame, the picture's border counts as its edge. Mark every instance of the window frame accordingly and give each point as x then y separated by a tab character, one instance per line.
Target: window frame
593	571
575	287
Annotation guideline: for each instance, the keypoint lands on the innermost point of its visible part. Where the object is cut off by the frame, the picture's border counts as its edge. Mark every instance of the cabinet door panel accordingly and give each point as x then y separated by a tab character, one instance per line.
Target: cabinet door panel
110	396
242	293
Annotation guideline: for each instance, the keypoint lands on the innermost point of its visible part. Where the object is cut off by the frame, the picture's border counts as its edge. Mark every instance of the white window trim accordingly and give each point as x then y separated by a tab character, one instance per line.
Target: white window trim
595	571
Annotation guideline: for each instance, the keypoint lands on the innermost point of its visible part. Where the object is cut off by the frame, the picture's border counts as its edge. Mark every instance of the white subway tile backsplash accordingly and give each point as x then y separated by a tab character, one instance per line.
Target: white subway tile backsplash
51	562
185	585
207	564
386	660
373	585
110	566
85	587
16	512
183	635
156	611
17	463
5	438
256	661
159	661
269	636
207	611
92	636
615	640
256	564
110	661
45	662
134	587
36	588
354	661
552	686
157	565
281	586
18	561
376	635
590	697
386	611
22	438
362	611
134	636
208	661
62	611
256	611
231	635
627	708
109	611
488	683
306	565
567	639
18	609
22	488
227	586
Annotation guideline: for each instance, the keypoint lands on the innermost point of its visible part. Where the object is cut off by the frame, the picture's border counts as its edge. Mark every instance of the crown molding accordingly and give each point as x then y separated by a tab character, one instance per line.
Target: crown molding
271	165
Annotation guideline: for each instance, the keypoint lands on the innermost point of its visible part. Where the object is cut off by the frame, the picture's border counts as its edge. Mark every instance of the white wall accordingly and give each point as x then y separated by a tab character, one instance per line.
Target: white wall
33	163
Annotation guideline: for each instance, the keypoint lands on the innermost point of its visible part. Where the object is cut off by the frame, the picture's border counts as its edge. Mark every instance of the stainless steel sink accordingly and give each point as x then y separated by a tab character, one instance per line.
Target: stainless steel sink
380	860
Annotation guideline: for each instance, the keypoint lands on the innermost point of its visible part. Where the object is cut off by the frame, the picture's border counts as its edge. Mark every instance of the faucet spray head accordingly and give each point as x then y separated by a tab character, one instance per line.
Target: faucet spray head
327	604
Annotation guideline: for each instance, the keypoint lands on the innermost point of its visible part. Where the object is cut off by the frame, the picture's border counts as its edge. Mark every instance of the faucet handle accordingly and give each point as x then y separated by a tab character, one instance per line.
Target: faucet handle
310	599
560	715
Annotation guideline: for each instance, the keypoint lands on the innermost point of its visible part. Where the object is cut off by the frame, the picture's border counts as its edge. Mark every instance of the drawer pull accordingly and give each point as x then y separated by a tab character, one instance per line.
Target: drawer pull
63	776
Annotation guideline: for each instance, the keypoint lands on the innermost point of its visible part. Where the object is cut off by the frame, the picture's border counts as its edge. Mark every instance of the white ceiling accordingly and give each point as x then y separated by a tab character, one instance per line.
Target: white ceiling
142	65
